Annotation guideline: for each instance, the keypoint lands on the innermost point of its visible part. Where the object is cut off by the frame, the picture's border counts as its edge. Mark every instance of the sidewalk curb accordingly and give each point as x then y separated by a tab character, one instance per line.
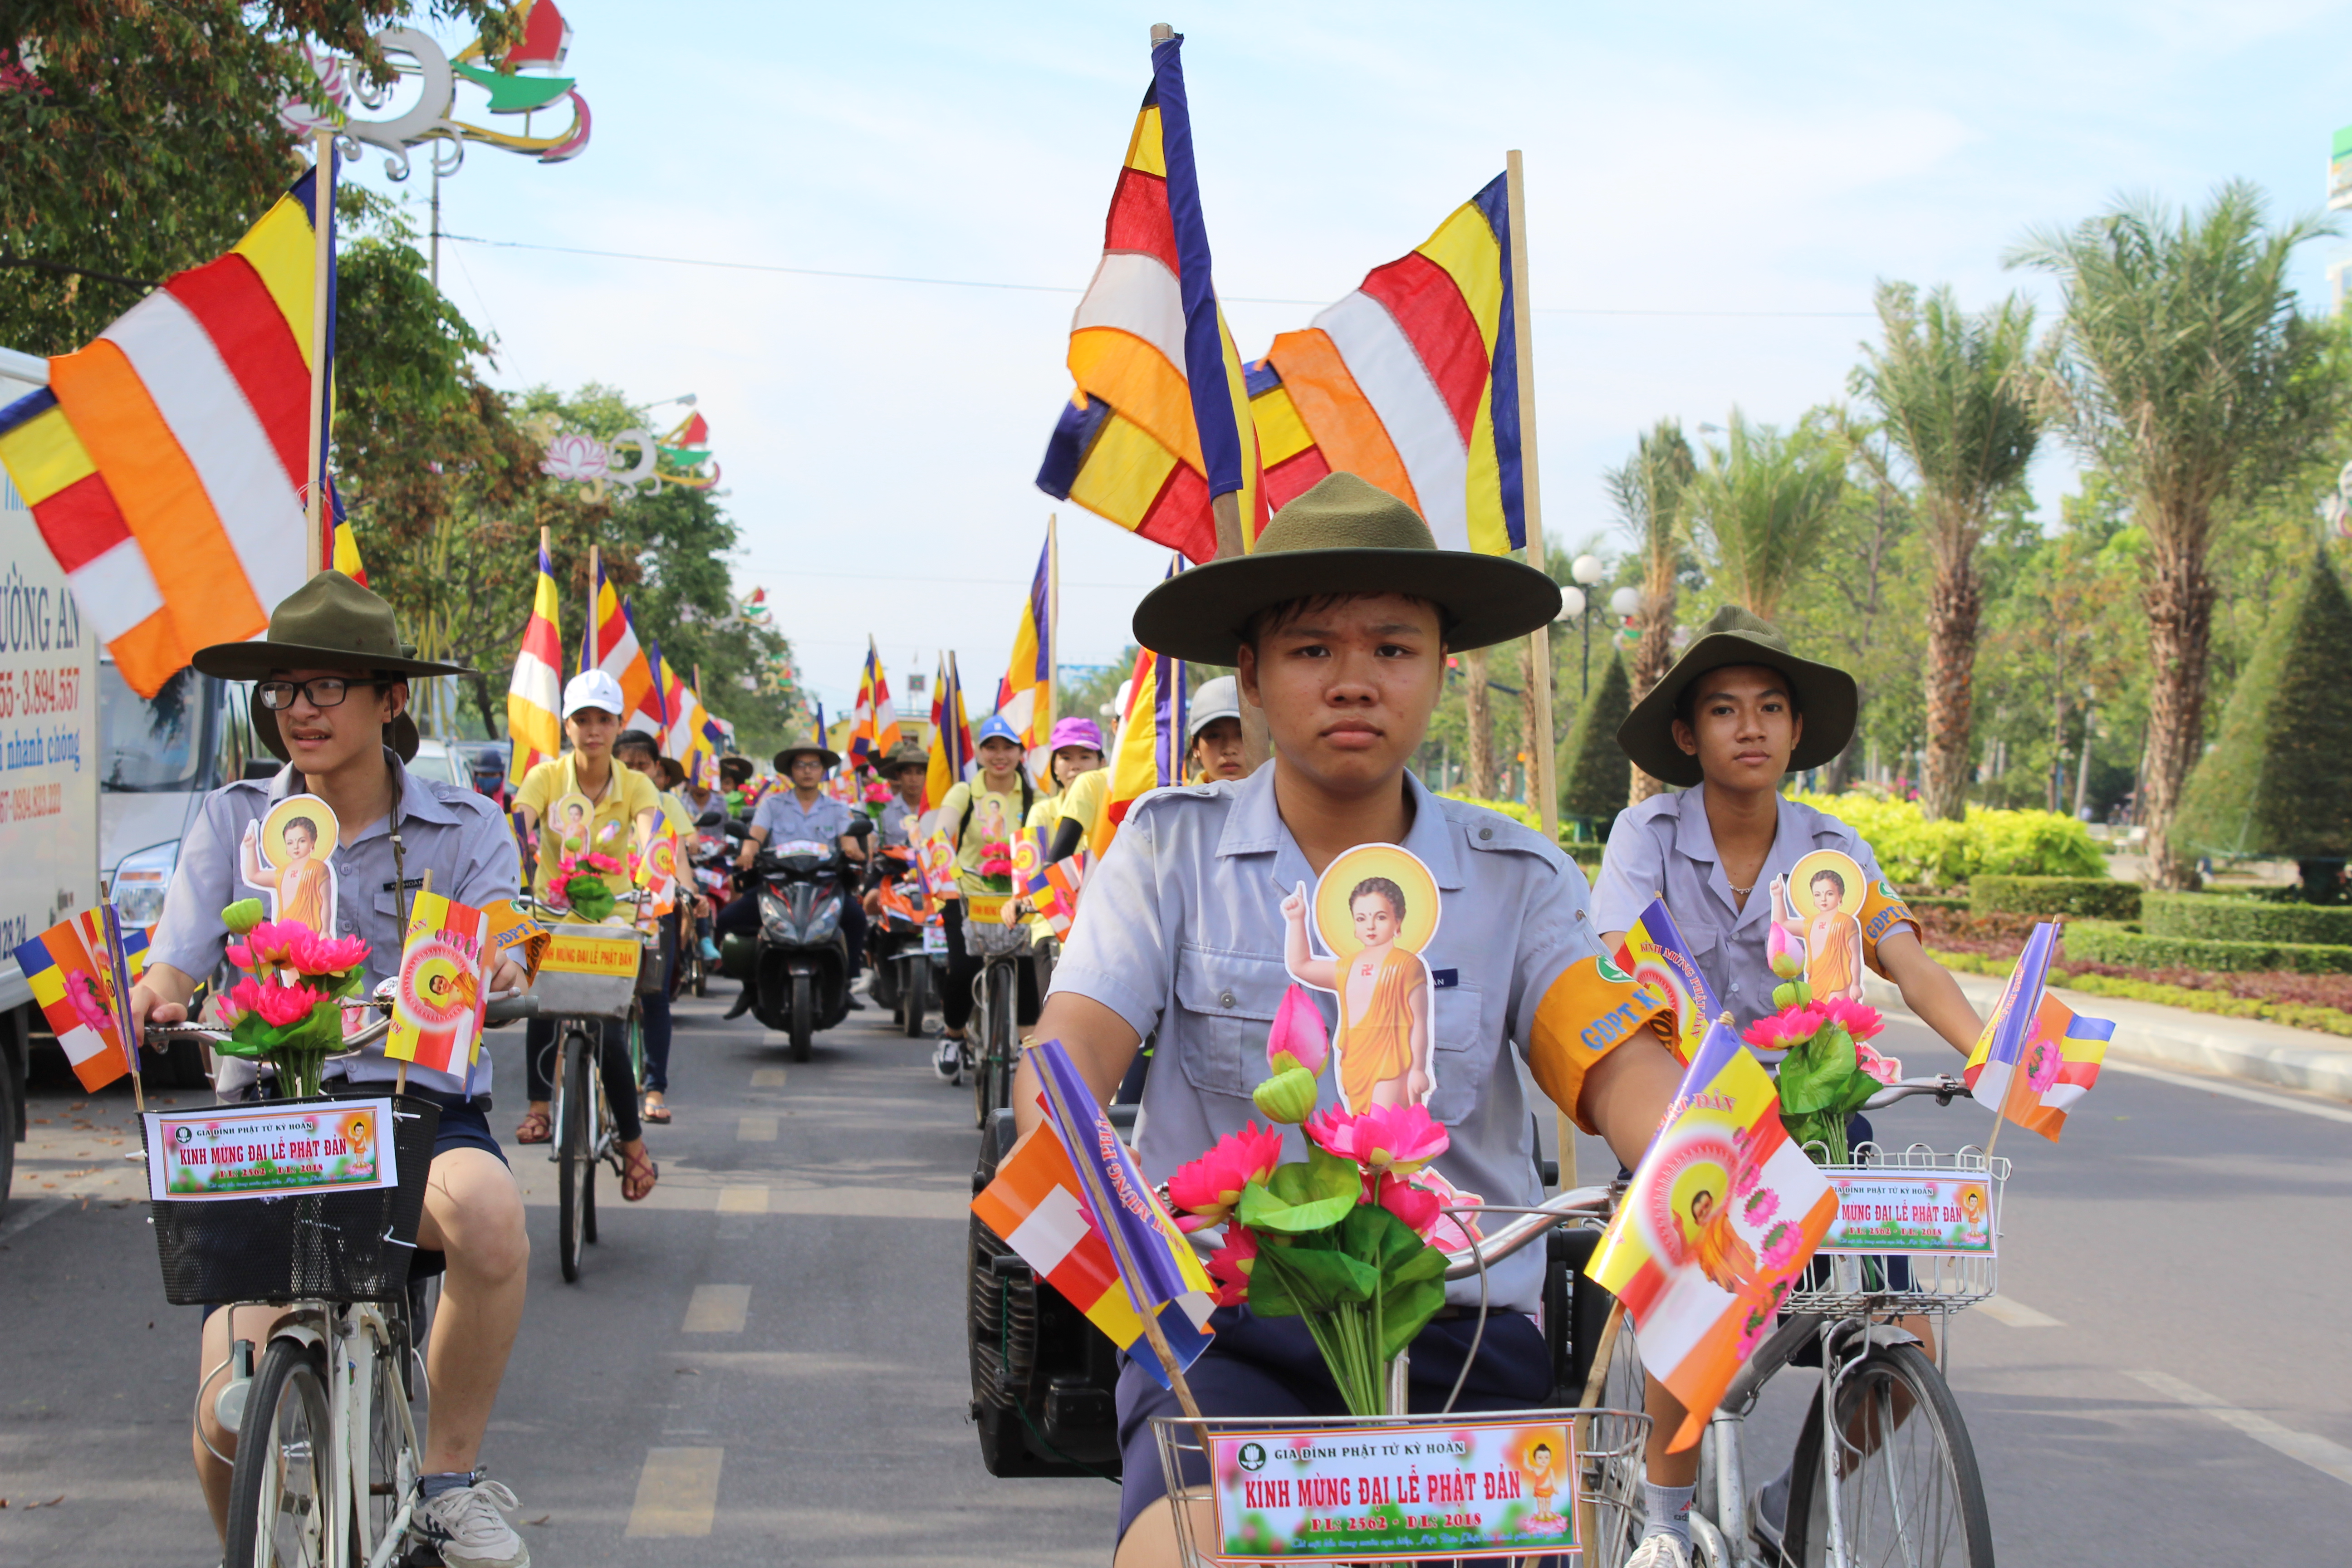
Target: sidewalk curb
2249	1049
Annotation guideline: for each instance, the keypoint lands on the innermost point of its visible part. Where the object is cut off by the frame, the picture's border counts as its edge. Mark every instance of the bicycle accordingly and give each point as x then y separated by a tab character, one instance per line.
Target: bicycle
992	1042
327	1457
601	988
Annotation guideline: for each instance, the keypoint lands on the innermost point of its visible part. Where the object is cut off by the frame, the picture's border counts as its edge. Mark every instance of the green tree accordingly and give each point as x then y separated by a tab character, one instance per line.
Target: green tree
143	137
1595	774
2186	373
1649	491
2279	779
1762	503
1955	395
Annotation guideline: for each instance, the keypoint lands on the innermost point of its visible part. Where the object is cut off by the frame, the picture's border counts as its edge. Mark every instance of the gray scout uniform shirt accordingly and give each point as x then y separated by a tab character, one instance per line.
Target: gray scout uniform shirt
899	822
780	812
460	837
1664	845
1180	928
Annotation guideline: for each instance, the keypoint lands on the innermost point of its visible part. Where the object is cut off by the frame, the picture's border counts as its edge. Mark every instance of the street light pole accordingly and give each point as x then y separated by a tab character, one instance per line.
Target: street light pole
1587	569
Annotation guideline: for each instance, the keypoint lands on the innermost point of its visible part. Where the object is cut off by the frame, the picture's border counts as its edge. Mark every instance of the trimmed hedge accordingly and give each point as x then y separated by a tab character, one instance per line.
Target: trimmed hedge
2105	942
2205	916
2086	898
1918	901
2220	1003
1911	848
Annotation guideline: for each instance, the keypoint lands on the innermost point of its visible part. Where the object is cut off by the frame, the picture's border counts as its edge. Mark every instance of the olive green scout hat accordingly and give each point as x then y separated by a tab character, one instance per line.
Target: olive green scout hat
1346	535
328	623
1824	696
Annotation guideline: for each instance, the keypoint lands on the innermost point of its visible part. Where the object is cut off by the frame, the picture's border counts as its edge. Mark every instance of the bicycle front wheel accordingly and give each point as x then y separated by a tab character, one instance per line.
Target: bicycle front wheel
984	1046
1909	1488
575	1154
394	1461
280	1489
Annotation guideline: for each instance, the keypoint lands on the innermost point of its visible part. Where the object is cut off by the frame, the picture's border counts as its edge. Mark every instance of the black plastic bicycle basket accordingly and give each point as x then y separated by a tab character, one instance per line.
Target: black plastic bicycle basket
330	1247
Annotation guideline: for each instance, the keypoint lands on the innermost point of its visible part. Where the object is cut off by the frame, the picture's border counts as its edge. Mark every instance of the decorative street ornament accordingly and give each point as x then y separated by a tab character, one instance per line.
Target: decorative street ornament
586	460
520	82
685	453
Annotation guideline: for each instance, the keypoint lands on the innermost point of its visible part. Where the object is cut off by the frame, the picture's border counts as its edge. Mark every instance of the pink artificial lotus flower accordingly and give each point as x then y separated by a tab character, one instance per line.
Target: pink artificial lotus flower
1208	1188
1400	1139
1451	1232
1859	1019
318	955
1420	1208
1789	1028
1886	1069
1784	952
1297	1034
272	942
277	1005
1231	1264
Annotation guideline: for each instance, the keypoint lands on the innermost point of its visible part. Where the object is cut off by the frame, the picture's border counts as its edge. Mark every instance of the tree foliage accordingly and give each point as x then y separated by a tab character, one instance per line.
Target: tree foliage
1594	772
1762	503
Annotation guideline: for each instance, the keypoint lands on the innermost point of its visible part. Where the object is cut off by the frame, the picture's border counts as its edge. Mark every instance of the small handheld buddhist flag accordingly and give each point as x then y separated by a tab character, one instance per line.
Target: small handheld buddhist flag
83	989
2036	1056
439	998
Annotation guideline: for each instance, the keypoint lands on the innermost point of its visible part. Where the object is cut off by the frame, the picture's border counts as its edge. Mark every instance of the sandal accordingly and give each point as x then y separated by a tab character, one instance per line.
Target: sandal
536	1128
638	1175
657	1111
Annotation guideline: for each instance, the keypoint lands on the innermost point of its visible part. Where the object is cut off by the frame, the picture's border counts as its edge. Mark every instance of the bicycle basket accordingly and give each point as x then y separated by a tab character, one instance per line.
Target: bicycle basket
330	1247
592	972
1845	1284
1608	1481
992	939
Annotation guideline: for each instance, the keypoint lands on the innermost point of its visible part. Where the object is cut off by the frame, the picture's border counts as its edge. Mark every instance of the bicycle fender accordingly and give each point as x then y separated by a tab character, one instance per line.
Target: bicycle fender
302	1333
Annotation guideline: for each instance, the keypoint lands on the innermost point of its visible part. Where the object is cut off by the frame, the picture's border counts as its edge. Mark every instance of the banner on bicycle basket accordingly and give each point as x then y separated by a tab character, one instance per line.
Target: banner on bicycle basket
585	950
439	997
1882	1210
1406	1492
199	1156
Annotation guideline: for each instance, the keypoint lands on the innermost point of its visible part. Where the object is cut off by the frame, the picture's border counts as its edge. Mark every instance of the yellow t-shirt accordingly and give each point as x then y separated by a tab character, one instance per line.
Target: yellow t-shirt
993	816
1083	802
626	794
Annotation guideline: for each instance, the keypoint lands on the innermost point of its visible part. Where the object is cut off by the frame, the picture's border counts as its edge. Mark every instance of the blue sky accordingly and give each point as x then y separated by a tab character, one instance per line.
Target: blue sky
1714	191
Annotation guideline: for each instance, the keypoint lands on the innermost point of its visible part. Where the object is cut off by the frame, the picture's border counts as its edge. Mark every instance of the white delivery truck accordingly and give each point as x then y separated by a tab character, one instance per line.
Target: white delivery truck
48	765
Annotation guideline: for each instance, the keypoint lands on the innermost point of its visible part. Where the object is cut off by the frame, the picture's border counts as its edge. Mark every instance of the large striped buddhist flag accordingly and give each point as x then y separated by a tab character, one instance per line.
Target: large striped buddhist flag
611	645
873	730
652	711
1025	698
951	748
167	463
1158	424
1411	381
533	726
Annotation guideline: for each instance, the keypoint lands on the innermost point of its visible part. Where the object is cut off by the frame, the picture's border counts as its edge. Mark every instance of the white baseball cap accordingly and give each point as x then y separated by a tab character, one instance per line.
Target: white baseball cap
591	689
1218	698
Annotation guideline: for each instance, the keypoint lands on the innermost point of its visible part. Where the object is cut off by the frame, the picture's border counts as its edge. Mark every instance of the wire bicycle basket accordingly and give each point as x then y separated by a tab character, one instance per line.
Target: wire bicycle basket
1907	1279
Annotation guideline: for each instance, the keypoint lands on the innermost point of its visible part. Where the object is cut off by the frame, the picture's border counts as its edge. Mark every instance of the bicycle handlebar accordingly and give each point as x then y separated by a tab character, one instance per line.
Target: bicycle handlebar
501	1010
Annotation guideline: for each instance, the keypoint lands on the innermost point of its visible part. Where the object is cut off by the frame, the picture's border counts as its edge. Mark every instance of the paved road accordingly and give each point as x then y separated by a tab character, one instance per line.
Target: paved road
766	1363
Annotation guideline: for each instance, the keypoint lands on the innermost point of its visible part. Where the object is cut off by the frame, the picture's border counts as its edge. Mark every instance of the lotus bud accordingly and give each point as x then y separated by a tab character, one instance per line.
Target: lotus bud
1784	995
1784	952
244	915
1298	1038
1289	1096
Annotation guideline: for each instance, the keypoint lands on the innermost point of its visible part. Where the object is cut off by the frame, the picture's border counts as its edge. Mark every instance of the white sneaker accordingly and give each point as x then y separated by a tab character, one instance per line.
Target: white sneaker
468	1528
949	1061
1659	1552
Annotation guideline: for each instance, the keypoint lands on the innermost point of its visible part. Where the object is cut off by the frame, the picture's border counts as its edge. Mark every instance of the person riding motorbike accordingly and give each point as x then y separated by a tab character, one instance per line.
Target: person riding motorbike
735	775
1213	751
620	803
803	812
489	774
904	771
332	699
979	817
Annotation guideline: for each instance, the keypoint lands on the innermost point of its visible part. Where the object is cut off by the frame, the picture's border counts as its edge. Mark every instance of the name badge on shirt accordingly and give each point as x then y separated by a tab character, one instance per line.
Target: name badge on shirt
1444	979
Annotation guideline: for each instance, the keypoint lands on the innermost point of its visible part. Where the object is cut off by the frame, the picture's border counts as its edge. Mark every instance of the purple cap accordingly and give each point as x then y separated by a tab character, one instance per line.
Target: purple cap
1075	730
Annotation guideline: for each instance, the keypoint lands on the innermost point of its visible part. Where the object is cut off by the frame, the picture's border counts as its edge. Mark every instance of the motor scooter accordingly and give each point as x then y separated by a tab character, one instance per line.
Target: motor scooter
800	961
718	840
906	940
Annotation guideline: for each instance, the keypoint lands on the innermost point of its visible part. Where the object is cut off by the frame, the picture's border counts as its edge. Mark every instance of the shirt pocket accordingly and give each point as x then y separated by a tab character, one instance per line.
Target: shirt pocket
1461	1055
1226	1004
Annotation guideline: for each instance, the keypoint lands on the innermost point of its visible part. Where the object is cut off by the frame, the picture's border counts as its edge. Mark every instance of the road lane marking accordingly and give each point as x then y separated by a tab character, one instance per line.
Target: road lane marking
717	1310
755	1130
2329	1457
2016	1314
767	1078
2235	1092
30	1212
742	1200
677	1492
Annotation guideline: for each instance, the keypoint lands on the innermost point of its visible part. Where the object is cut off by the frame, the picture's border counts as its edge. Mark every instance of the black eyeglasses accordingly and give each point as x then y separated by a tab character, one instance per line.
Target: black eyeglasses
321	692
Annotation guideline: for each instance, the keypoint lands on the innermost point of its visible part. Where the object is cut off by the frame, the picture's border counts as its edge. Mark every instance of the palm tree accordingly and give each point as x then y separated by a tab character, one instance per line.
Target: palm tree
2183	371
1762	504
1955	393
1649	491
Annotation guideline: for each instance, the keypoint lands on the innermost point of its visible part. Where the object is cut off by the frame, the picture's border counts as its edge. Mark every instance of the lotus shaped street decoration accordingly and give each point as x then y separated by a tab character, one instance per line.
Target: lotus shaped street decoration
579	458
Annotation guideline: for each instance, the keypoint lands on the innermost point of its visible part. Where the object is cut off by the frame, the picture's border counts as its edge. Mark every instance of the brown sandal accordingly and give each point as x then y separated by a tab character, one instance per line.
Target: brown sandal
638	1175
536	1128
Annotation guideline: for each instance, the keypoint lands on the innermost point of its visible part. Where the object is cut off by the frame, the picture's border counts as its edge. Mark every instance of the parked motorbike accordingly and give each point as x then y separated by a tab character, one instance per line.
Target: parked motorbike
800	961
907	941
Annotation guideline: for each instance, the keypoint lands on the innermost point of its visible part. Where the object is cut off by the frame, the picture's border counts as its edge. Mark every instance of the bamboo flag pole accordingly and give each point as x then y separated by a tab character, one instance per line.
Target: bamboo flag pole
1522	340
322	250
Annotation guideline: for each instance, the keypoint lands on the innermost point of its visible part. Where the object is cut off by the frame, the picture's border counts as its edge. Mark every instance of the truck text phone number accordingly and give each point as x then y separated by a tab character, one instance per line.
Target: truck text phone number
29	801
26	692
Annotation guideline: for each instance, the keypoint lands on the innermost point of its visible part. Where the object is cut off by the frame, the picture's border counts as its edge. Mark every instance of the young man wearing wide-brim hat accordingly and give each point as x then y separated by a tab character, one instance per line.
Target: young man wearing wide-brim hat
1339	623
903	768
330	697
1736	715
785	816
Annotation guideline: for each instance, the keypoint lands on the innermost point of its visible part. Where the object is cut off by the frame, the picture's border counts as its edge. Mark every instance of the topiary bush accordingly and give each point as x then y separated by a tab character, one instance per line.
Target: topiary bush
1911	849
2203	915
1596	777
2087	898
2106	942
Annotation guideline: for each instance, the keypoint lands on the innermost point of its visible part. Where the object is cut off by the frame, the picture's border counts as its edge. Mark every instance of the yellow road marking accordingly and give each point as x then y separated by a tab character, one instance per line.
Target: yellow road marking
755	1130
677	1492
717	1310
742	1200
767	1078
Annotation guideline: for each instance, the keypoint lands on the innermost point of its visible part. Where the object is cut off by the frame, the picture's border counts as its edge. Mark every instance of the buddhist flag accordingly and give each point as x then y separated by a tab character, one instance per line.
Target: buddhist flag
1159	422
1058	900
951	748
1025	698
537	690
2036	1056
611	646
1149	754
1413	383
167	464
73	974
652	710
439	997
874	723
1655	953
1720	1218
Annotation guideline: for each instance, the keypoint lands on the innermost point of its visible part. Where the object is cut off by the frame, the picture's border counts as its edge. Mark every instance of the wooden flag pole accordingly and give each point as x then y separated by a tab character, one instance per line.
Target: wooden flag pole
322	250
1522	338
